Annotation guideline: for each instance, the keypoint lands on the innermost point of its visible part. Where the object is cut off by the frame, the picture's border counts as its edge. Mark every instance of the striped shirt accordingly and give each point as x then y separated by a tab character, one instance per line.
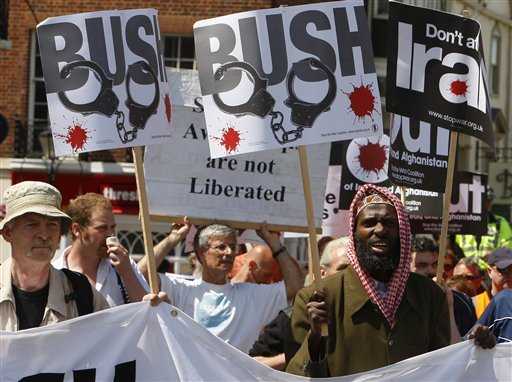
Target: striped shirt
498	316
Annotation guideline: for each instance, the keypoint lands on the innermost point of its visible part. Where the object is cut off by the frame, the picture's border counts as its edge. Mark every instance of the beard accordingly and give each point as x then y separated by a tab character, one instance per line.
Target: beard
380	267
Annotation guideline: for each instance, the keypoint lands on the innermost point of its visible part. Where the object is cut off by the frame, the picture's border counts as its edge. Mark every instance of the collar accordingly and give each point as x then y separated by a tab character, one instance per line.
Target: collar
356	296
55	293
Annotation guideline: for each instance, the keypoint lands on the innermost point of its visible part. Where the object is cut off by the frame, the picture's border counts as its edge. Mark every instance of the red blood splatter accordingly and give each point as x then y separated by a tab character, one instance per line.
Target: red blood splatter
362	100
230	139
167	101
76	136
459	88
372	157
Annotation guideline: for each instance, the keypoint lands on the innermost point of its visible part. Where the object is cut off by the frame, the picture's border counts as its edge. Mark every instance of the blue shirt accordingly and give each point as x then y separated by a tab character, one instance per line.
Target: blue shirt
498	316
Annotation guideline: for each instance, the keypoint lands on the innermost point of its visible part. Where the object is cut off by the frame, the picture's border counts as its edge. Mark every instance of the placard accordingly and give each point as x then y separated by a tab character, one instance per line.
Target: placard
287	76
105	80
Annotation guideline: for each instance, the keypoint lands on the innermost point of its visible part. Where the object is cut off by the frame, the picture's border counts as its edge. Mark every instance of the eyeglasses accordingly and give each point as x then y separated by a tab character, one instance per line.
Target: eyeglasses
470	277
505	271
224	247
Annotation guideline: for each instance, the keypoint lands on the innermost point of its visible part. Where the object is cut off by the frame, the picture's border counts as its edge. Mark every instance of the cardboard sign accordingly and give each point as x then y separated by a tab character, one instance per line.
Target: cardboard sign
288	76
365	160
182	178
467	214
335	222
418	156
436	70
105	80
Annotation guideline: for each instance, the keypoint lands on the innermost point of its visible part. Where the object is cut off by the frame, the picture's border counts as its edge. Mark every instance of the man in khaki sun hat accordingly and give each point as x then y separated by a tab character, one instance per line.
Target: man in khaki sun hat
32	292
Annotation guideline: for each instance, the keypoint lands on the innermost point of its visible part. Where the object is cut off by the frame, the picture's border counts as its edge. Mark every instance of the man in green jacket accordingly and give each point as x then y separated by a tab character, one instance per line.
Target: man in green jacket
377	312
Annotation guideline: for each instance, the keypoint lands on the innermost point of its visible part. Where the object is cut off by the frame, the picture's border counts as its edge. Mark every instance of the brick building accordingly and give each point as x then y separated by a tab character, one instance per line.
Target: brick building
24	115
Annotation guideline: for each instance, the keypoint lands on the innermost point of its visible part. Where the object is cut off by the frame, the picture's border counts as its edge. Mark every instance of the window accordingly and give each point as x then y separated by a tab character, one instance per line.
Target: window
495	57
38	108
179	52
4	19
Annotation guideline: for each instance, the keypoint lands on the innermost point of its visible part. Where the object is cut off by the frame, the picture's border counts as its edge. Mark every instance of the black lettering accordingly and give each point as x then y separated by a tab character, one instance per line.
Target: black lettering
198	101
192	131
330	198
72	44
86	375
44	377
193	187
206	58
279	195
252	52
140	47
125	372
309	44
98	48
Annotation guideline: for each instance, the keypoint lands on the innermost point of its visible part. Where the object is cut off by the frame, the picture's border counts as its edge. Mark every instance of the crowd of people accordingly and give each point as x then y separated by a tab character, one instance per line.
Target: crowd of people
378	296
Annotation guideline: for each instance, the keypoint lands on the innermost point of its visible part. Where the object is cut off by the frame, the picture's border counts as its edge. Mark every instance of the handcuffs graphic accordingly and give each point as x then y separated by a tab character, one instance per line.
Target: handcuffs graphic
261	103
107	102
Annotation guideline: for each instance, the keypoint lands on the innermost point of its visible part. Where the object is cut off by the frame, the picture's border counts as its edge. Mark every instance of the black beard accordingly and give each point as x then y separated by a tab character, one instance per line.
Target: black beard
381	268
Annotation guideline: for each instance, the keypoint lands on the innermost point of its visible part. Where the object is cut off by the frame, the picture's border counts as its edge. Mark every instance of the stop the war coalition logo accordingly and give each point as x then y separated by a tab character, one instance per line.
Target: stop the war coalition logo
436	71
287	76
105	80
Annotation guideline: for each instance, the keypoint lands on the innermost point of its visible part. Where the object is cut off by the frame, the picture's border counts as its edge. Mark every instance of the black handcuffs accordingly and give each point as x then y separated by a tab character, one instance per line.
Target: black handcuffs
261	102
107	102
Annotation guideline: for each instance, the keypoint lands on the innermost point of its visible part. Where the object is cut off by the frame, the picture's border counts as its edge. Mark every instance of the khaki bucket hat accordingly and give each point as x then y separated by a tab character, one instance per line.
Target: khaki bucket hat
30	196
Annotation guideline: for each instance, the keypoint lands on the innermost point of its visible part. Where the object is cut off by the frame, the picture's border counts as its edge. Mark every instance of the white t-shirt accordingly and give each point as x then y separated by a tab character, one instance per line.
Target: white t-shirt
106	278
234	312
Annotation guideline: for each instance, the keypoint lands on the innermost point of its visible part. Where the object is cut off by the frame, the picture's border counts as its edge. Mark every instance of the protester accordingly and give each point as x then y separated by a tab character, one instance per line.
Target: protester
236	312
468	271
32	292
424	256
500	274
499	234
374	307
108	268
256	266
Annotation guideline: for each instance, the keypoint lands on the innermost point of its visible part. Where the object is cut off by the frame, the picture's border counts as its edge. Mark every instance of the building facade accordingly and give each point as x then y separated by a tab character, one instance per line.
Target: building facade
24	115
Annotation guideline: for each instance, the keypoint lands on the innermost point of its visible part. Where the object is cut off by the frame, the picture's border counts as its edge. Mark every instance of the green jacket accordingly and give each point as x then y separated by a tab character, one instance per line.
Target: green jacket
360	338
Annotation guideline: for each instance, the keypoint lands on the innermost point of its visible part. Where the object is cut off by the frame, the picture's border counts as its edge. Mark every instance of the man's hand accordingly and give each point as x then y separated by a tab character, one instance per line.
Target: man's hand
119	258
270	237
483	337
181	230
317	312
156	299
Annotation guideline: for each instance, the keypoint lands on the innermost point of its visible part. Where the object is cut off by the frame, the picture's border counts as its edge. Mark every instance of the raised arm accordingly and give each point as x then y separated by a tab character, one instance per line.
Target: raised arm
290	268
178	233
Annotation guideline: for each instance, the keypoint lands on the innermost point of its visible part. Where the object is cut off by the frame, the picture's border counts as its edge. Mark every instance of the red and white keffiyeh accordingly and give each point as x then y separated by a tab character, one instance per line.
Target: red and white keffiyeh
396	285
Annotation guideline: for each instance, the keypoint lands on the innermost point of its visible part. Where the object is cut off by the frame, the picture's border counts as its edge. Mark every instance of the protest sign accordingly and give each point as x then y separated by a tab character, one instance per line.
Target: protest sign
418	156
183	179
365	160
436	71
105	80
139	343
309	77
467	213
334	220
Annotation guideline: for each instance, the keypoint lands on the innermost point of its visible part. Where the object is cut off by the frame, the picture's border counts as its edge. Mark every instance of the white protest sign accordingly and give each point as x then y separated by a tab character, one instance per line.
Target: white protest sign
182	179
140	343
105	80
287	76
335	222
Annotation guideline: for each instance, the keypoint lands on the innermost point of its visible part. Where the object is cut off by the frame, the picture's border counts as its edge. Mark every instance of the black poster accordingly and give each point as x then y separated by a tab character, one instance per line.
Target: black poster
363	160
436	71
467	215
418	156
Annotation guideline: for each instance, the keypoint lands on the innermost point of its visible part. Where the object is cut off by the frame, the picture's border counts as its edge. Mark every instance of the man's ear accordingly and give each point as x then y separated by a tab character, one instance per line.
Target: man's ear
75	230
199	255
7	233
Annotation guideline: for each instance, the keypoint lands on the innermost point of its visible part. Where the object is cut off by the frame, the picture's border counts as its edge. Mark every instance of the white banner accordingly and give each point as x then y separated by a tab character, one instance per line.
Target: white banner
139	343
105	80
182	179
287	76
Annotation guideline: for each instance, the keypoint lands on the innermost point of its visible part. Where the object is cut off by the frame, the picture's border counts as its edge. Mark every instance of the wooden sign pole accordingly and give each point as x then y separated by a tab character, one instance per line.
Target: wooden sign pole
144	218
314	258
447	197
